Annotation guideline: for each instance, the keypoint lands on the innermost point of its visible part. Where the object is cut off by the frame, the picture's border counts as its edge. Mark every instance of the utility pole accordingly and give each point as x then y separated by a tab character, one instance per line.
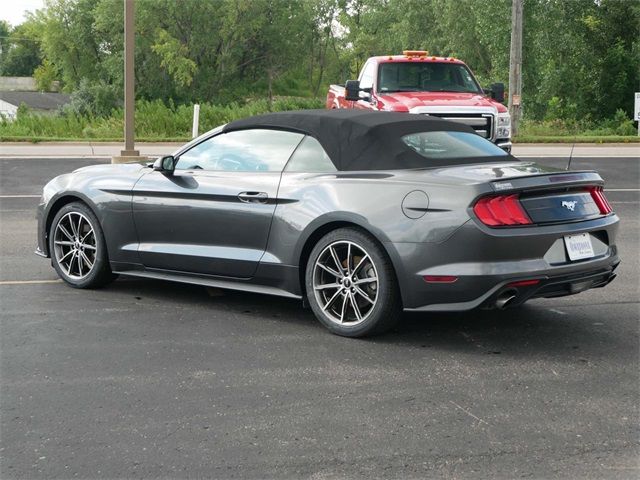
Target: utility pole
515	66
129	153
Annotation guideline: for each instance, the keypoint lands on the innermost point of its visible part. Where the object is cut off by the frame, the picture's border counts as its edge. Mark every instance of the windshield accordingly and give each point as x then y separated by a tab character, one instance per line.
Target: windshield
425	77
447	144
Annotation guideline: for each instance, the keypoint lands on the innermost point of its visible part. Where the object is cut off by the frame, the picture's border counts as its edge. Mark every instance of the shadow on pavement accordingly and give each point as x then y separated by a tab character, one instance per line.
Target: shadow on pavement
530	330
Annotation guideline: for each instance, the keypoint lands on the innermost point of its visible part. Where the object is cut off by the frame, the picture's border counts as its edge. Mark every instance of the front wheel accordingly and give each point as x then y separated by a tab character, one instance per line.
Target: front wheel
351	285
77	247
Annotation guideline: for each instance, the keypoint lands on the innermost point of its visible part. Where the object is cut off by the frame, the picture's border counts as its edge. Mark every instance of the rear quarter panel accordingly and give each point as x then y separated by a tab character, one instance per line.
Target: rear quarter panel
371	200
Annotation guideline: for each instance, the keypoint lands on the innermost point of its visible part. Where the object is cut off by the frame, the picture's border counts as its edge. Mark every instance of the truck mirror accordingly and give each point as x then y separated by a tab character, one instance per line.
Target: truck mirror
497	92
352	90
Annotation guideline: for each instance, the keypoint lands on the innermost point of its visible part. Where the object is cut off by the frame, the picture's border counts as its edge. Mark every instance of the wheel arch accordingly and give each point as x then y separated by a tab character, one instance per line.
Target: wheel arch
57	205
320	231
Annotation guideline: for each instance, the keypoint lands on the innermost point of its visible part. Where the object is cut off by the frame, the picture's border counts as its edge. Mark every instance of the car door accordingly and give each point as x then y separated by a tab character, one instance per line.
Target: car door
212	215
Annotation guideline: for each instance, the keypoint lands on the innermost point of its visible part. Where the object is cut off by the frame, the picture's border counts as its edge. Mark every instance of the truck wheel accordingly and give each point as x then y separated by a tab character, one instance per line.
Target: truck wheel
351	285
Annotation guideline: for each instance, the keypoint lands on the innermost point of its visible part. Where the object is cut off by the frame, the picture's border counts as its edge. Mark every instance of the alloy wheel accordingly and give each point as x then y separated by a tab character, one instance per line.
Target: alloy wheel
75	245
345	283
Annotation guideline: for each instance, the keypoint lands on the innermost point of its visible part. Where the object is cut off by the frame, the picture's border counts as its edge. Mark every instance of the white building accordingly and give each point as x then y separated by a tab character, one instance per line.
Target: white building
39	102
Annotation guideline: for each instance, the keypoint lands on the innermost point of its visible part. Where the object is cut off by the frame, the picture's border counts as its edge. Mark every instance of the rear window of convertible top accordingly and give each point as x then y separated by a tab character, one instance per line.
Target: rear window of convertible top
439	145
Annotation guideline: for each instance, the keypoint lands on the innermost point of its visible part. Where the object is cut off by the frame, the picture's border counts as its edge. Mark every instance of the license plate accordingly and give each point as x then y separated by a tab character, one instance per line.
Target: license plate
579	246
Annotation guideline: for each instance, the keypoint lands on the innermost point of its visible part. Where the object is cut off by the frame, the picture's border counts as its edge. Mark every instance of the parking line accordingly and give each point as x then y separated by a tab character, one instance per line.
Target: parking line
28	282
20	196
585	156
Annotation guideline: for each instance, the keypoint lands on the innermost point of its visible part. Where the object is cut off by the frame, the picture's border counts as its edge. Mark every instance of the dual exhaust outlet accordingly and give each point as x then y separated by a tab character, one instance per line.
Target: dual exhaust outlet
508	296
505	298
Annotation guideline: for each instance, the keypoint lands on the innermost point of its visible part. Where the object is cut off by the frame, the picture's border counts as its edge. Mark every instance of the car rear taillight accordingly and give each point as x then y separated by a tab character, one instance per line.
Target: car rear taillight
501	210
600	200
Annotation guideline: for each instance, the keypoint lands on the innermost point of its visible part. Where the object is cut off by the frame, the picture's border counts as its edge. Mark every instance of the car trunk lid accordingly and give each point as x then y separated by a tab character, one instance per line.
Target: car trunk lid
556	197
525	193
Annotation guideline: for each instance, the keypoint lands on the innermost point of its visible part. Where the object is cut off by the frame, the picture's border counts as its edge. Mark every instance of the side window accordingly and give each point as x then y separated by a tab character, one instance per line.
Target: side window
310	157
366	79
255	150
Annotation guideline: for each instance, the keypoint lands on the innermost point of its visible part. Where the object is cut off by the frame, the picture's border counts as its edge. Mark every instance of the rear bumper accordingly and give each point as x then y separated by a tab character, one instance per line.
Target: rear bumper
485	263
510	296
504	295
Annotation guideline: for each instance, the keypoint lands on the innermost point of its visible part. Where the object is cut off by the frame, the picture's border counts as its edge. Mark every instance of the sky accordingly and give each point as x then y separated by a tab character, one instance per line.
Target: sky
13	10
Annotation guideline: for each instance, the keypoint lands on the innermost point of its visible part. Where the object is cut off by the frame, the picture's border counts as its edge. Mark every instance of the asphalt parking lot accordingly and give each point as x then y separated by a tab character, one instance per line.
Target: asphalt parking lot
152	379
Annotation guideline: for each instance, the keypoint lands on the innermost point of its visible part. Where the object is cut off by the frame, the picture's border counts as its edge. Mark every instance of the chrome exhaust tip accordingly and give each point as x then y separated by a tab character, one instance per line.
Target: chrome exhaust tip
505	298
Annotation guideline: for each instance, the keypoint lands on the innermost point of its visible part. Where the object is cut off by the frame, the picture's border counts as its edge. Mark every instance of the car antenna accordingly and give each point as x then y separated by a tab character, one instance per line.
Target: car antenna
571	154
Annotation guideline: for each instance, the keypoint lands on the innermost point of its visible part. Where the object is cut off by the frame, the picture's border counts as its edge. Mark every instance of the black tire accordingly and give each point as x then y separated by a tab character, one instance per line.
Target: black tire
99	274
386	310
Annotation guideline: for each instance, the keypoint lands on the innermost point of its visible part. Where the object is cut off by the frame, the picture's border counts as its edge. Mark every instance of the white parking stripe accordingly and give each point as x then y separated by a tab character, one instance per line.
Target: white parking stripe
20	196
566	157
28	282
56	157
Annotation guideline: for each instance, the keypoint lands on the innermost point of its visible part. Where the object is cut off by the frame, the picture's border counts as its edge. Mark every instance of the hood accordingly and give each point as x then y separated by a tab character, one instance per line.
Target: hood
111	169
439	100
116	177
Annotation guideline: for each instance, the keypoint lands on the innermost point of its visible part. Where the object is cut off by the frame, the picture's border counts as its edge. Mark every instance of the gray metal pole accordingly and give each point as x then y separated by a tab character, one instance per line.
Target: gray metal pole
129	94
515	66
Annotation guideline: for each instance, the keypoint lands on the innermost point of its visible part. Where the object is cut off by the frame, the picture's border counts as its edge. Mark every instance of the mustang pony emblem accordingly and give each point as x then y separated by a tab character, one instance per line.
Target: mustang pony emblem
569	205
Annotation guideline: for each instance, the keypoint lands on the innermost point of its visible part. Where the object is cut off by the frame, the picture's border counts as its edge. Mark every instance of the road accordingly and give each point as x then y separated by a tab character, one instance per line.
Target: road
152	379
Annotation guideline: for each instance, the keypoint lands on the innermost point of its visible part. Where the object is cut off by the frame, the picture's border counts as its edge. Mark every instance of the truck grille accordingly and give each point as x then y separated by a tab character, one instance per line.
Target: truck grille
482	124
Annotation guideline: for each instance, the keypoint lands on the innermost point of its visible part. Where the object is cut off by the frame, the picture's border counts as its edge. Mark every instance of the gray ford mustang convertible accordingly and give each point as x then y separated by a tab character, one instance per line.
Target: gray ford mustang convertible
360	214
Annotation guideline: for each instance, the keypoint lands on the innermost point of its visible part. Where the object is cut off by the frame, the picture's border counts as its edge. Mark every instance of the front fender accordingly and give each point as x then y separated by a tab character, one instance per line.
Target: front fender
107	192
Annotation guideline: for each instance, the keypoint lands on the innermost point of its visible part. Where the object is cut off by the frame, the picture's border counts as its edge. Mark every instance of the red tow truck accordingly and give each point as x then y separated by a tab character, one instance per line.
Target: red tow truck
419	83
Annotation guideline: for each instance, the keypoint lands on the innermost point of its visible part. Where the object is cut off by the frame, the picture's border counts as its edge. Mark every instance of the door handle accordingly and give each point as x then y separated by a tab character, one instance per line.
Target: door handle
253	197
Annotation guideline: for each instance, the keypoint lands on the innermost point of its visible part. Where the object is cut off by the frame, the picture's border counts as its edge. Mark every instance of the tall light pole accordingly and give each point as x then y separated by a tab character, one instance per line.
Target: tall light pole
129	153
515	66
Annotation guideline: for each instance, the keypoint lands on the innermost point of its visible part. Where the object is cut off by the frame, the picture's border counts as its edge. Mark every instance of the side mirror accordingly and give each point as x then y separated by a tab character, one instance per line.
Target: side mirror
352	90
165	165
497	92
365	94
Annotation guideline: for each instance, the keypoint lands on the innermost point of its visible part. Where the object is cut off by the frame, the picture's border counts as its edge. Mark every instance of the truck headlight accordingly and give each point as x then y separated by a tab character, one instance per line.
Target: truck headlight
503	129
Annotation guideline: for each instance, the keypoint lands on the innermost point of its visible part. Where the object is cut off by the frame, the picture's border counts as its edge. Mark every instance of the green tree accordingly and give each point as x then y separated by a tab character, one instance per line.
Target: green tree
19	50
582	53
5	31
68	39
581	57
45	75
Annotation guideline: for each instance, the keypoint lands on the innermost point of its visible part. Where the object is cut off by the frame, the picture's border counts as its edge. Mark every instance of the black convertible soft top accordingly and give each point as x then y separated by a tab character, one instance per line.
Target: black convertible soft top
361	139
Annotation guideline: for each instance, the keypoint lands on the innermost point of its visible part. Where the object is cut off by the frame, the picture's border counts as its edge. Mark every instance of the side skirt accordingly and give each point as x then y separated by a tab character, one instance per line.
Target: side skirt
208	281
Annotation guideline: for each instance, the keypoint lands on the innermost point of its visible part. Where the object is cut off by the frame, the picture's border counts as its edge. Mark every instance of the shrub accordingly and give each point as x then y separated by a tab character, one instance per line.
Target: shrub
558	108
97	99
624	124
154	119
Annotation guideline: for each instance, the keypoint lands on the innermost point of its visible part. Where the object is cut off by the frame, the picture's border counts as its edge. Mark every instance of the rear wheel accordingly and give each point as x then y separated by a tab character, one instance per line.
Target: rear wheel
77	247
351	285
